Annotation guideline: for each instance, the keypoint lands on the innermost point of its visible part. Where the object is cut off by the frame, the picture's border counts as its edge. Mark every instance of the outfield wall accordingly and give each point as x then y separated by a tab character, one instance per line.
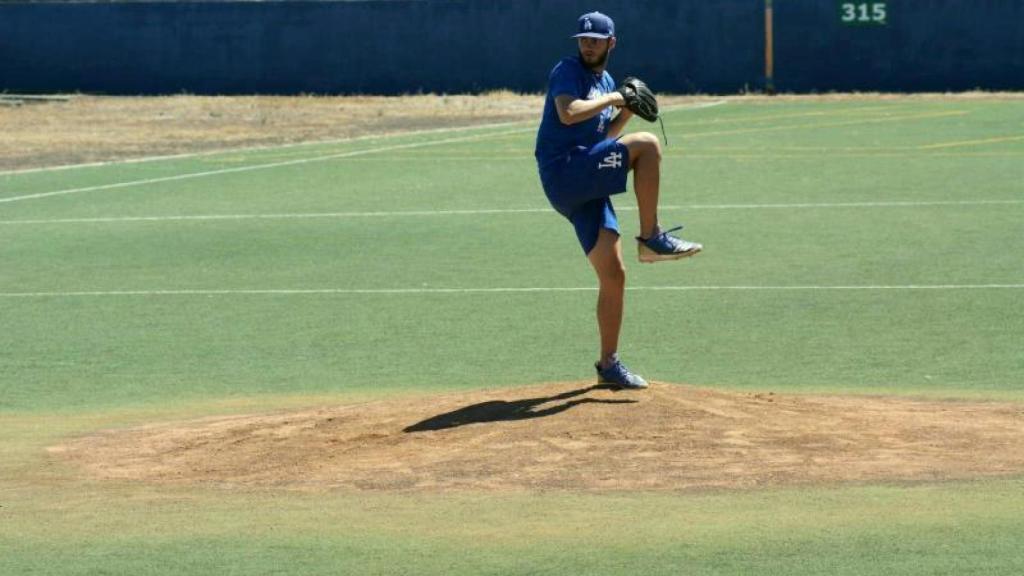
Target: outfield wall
402	46
925	45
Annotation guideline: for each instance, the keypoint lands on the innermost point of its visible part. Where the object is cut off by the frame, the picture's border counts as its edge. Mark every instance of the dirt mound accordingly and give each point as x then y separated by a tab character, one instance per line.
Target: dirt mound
573	436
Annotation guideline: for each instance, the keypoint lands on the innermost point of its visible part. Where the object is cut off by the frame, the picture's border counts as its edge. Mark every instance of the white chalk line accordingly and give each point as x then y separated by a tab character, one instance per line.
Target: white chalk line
526	157
507	290
876	204
789	115
923	116
294	216
494	211
266	147
700	106
252	167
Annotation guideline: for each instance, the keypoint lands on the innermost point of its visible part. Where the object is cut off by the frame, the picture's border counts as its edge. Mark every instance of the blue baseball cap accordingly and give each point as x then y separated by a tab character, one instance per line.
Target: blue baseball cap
595	25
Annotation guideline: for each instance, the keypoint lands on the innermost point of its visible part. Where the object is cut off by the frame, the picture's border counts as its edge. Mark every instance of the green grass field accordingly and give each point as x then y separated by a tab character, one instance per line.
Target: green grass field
862	246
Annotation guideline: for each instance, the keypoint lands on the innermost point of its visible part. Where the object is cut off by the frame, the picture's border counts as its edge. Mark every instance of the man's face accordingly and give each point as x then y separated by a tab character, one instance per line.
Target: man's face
594	51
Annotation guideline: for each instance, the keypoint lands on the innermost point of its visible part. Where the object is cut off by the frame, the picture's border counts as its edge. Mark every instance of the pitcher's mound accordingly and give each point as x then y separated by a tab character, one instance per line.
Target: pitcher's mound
573	436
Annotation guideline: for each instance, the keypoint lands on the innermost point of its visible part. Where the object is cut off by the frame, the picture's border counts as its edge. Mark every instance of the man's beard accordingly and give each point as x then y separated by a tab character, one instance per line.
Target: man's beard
600	60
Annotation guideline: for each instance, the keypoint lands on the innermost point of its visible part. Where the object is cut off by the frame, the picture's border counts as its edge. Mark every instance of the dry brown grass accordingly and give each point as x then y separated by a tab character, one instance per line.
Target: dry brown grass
89	128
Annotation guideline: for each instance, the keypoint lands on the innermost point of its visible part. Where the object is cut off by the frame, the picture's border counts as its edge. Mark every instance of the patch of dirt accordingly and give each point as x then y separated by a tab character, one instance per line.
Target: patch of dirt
85	129
572	436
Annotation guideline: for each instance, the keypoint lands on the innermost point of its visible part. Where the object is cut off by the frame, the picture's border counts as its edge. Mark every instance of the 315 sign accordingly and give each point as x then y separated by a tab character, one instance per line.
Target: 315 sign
859	13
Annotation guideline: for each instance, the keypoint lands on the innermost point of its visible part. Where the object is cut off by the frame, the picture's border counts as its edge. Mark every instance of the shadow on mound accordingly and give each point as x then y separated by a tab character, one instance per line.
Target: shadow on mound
668	437
503	411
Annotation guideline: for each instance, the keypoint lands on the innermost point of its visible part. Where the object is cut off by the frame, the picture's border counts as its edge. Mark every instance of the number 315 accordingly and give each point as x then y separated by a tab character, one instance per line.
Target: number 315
863	11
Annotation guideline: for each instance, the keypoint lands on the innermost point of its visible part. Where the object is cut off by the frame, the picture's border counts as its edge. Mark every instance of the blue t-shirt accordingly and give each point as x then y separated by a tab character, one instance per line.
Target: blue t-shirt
554	139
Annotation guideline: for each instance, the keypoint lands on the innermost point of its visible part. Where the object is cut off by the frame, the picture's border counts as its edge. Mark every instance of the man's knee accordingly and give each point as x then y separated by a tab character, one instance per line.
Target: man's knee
612	274
606	259
643	145
653	144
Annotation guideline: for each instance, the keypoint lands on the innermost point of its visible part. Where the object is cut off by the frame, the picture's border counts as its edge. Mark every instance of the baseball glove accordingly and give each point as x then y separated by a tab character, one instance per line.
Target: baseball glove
639	98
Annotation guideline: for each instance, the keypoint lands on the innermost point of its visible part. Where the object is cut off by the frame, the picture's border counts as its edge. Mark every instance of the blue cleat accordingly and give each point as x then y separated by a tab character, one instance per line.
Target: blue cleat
665	246
617	374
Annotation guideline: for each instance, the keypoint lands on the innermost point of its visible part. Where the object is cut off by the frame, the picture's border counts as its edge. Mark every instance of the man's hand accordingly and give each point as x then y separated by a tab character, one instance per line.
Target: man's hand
639	99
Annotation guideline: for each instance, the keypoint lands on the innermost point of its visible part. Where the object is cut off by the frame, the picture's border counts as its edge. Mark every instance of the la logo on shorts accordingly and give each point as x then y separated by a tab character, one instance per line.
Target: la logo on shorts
613	160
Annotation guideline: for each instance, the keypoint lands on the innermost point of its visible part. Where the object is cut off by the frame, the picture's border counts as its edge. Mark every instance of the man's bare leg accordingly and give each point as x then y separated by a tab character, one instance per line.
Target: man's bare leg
606	258
645	161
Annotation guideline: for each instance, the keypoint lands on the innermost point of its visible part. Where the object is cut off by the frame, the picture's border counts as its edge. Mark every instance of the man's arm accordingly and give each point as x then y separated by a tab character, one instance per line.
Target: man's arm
619	123
573	110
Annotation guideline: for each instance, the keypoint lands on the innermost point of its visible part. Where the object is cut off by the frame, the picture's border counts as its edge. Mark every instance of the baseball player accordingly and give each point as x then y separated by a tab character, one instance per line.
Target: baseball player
583	160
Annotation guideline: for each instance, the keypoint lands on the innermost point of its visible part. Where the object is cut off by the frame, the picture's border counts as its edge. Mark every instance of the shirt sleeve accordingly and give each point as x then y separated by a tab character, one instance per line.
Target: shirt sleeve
563	81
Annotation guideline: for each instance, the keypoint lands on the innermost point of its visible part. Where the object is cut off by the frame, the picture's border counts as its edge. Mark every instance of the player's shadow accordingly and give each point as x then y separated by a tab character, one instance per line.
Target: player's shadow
502	411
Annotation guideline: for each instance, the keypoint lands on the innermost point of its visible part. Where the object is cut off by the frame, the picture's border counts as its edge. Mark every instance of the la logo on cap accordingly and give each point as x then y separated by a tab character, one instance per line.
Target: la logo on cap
592	25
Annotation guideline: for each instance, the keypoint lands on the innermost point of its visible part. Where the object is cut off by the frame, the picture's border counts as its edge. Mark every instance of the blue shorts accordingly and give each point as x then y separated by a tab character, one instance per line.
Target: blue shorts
579	188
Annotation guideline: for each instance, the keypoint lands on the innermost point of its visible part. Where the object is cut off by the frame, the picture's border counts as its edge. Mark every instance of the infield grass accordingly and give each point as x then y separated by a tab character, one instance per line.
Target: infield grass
859	247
